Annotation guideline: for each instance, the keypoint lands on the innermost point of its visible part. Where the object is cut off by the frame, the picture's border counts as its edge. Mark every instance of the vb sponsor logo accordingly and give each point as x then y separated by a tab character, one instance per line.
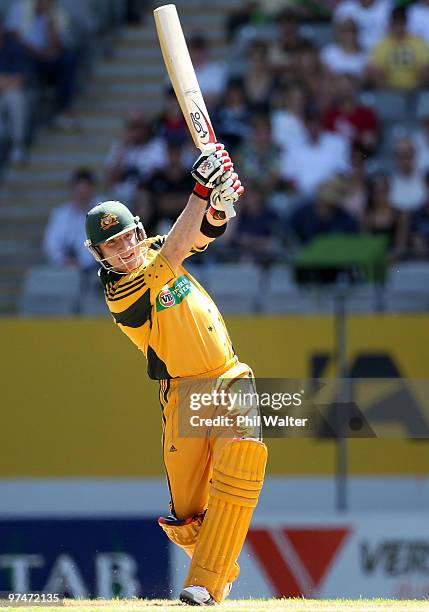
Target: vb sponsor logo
166	299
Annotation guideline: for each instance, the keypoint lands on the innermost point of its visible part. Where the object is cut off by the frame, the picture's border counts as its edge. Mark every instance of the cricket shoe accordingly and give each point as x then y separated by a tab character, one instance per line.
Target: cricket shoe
199	596
196	596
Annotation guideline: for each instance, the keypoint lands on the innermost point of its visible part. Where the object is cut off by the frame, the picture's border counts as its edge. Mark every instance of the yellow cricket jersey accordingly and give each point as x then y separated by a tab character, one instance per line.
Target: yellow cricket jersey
169	316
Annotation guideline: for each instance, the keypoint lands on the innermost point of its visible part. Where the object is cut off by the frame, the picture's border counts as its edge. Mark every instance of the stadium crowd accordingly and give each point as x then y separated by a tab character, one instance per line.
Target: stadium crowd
46	48
309	104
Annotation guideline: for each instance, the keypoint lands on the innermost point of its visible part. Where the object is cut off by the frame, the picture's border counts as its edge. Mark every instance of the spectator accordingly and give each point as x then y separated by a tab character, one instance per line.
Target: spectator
325	215
135	157
421	143
259	158
380	217
287	119
232	116
418	20
348	117
246	14
419	226
307	71
288	41
43	28
13	72
65	233
401	60
371	17
169	188
407	191
170	124
324	155
345	55
240	17
256	227
355	200
259	80
144	208
211	75
407	186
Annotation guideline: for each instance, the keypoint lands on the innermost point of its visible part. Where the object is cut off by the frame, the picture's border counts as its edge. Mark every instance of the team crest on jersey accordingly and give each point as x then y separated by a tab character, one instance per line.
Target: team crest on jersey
107	220
166	298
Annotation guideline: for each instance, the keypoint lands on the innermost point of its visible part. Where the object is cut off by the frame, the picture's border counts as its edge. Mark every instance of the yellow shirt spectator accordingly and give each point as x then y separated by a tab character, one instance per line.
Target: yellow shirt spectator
401	60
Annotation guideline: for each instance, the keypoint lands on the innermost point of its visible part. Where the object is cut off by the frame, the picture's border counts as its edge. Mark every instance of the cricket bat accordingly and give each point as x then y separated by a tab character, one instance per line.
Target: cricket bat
184	80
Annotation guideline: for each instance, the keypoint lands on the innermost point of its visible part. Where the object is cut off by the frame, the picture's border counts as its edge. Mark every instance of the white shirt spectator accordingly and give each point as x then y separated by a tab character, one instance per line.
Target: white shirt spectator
211	78
33	28
312	163
418	21
340	62
288	131
145	158
372	21
407	192
65	235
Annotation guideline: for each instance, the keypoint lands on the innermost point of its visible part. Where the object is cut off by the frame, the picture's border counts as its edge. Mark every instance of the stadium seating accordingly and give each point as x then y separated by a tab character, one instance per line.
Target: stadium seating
408	287
235	287
390	106
422	104
50	291
283	295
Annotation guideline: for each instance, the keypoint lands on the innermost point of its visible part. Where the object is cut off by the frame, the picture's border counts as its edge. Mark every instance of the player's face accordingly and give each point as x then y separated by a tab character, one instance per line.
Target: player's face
124	253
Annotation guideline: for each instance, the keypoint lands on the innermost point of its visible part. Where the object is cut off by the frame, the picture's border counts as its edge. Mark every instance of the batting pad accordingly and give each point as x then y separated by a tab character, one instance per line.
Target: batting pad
184	533
238	476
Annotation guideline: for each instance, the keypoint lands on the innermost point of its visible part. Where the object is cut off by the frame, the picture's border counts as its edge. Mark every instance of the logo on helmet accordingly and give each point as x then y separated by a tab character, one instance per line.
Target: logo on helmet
107	220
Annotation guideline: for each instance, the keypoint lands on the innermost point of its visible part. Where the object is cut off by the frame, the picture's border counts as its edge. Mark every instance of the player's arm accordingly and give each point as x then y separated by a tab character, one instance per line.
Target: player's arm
183	233
213	163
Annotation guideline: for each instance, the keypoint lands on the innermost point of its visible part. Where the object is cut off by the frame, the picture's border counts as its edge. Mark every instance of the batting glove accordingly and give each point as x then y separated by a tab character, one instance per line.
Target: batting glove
225	194
211	164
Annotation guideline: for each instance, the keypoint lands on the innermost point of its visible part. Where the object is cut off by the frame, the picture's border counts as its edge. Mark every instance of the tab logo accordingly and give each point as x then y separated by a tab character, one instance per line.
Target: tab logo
296	560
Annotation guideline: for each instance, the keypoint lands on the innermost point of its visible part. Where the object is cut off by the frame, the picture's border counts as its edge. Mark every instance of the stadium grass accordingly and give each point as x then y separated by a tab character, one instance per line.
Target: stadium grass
244	605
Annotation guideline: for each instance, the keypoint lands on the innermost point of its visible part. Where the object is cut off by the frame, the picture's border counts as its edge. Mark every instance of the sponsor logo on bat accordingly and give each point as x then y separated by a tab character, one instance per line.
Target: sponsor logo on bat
202	126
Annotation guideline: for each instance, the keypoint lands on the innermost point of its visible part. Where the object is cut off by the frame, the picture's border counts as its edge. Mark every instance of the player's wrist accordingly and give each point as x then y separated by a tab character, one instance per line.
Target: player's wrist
201	191
212	230
215	214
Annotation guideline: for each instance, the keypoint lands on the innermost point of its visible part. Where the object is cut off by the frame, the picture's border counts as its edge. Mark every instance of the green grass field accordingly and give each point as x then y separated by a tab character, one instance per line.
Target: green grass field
251	605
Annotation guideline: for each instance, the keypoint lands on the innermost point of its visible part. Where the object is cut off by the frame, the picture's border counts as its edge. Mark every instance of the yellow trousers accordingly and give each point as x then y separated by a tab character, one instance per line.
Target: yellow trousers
189	461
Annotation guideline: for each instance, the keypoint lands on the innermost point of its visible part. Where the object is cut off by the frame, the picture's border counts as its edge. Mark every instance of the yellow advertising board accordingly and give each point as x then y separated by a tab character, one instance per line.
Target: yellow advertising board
76	400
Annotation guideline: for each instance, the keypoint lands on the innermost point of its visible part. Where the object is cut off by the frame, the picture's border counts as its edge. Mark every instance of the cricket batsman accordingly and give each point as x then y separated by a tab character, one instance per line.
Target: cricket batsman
214	481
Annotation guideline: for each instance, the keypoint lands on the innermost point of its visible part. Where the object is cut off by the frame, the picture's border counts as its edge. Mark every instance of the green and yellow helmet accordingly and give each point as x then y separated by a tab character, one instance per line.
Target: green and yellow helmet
108	220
